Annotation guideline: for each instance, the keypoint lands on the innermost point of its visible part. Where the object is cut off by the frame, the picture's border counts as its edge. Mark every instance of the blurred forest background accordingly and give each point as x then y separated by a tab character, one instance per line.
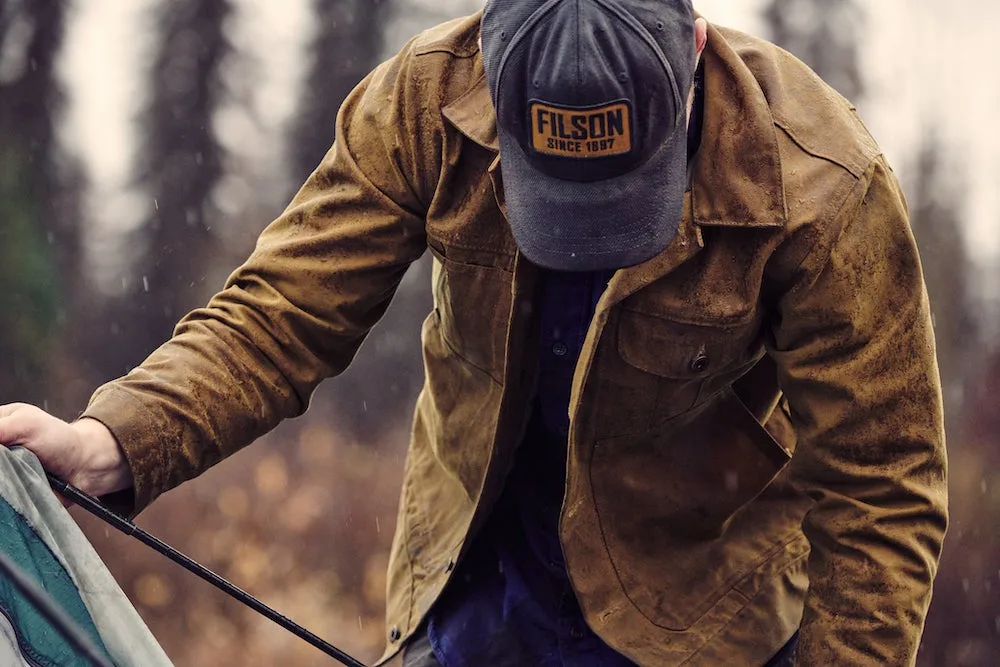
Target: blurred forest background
93	277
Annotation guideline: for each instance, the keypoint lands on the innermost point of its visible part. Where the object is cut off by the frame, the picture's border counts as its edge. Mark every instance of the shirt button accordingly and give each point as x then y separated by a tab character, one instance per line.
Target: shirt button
699	364
395	634
559	348
450	565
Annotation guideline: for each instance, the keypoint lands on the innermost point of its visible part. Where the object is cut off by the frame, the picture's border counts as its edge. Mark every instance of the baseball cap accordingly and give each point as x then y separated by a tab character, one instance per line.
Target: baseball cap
590	97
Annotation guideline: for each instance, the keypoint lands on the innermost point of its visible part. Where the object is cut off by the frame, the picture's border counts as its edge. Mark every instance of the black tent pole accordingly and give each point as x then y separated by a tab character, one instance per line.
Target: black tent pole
95	507
59	619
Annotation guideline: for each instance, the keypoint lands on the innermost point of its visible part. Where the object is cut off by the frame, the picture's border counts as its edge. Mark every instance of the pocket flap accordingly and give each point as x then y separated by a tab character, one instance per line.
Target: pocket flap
682	351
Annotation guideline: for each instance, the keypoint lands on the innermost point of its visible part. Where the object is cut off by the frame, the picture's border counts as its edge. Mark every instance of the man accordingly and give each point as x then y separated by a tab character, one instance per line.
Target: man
681	401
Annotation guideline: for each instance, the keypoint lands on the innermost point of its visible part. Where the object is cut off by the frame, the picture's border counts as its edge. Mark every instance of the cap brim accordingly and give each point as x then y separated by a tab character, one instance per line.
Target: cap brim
599	225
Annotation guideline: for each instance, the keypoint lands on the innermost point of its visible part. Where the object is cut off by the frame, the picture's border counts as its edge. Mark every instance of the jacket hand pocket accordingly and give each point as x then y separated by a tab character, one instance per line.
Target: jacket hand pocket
678	486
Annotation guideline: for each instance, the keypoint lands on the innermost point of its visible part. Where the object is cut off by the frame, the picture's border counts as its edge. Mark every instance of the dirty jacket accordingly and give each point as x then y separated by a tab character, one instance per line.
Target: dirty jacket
756	427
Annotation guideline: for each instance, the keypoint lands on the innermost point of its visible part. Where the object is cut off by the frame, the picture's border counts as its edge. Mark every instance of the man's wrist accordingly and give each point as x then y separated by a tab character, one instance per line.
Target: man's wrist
106	466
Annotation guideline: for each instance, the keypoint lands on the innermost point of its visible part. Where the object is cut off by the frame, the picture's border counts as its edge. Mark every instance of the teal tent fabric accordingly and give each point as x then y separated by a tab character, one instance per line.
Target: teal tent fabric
37	640
43	540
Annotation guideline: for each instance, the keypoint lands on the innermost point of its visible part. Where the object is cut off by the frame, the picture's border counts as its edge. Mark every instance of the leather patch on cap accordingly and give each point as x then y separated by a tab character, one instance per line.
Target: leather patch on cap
581	133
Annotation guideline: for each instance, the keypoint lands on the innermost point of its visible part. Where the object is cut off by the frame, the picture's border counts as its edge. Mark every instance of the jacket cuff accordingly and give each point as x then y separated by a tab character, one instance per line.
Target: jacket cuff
130	424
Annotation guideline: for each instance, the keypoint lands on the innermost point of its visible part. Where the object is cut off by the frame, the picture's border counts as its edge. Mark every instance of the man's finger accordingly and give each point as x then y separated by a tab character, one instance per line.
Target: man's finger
13	426
9	431
11	408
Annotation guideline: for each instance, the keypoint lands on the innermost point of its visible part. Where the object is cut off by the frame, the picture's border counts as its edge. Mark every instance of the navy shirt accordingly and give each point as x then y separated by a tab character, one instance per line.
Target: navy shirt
510	602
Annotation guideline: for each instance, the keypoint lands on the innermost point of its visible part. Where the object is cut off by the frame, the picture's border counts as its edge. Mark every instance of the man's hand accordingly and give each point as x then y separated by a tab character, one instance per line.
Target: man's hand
84	453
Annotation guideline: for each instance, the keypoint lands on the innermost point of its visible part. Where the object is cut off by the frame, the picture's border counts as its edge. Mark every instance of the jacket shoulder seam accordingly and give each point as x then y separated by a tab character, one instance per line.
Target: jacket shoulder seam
853	196
857	164
444	47
454	37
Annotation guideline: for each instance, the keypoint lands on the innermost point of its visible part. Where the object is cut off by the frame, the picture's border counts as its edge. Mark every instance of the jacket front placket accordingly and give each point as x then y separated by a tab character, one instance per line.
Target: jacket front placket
519	371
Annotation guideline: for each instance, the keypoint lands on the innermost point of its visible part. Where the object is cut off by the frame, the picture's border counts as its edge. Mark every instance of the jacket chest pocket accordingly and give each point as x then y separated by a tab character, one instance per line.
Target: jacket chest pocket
667	368
473	303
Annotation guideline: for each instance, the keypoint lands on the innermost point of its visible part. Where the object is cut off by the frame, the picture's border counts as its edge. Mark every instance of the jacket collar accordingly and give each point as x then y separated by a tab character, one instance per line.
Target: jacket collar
473	114
736	179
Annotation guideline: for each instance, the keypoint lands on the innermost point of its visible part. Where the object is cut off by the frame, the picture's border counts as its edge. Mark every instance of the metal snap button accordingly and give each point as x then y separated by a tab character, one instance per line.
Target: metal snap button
700	363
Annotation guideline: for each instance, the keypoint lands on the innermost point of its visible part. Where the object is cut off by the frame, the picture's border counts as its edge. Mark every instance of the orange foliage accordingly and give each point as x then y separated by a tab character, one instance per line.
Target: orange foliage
302	520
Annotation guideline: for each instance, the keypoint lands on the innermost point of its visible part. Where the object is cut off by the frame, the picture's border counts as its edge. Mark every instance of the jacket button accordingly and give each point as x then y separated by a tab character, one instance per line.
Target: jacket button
559	348
699	364
395	634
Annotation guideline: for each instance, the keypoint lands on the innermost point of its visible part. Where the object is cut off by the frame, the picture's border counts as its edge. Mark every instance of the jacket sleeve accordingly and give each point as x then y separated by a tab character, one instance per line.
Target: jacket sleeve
298	309
855	351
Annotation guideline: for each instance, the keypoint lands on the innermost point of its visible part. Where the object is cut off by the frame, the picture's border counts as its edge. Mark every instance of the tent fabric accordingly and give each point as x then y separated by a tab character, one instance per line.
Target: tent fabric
35	637
10	652
40	536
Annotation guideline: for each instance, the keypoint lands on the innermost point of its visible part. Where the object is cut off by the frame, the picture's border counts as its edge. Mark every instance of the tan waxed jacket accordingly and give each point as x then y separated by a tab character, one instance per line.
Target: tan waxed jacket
756	436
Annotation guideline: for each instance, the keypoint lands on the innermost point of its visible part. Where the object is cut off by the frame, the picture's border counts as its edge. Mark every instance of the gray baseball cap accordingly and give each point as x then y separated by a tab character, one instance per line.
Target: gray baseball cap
591	99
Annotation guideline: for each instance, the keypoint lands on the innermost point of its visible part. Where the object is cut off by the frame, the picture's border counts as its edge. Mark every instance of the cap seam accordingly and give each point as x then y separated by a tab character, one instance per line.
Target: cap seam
528	25
643	34
576	34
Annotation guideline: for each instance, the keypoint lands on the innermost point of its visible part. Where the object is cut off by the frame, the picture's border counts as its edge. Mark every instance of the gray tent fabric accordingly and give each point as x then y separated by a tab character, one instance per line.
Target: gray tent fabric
10	655
124	635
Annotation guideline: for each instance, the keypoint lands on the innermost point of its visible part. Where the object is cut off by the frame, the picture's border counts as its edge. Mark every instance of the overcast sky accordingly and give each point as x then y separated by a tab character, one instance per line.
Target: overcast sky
928	65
